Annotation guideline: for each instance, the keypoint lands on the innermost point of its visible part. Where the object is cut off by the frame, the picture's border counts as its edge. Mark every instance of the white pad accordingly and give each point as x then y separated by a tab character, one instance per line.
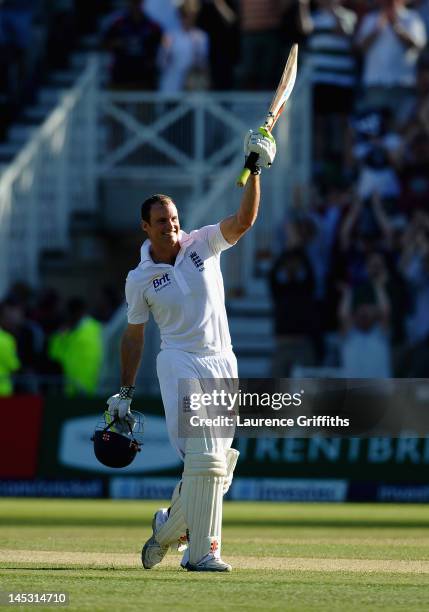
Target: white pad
231	461
202	494
175	526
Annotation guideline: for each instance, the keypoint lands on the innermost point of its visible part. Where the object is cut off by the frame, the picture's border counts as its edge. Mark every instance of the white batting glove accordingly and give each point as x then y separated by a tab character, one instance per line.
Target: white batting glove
263	144
120	403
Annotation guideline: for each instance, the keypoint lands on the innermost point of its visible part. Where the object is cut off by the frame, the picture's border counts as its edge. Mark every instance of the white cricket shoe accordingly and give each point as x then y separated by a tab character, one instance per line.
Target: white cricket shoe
152	552
182	543
209	563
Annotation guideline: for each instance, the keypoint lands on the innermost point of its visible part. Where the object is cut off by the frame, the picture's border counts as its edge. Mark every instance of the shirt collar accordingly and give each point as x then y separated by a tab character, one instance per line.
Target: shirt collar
146	260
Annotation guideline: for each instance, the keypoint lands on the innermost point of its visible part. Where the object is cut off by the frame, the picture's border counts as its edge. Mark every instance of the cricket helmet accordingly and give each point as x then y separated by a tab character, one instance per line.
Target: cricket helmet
117	441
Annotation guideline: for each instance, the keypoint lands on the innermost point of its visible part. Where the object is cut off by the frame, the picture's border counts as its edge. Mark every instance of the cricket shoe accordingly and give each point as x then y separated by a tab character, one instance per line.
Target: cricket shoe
182	543
209	563
152	552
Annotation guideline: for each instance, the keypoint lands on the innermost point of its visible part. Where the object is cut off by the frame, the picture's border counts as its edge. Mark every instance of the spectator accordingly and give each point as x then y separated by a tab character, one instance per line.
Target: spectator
364	226
29	342
415	268
377	150
108	303
364	320
9	361
292	290
184	57
380	270
134	40
48	311
164	12
418	120
360	7
296	23
261	47
414	177
325	216
219	19
79	349
390	40
422	8
330	51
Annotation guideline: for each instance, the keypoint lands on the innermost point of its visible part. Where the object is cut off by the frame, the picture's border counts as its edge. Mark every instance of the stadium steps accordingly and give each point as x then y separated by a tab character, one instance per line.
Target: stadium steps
81	268
251	328
32	117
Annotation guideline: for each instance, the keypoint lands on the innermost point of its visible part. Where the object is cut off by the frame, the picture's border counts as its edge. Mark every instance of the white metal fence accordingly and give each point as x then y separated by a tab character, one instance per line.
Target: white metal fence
190	146
53	176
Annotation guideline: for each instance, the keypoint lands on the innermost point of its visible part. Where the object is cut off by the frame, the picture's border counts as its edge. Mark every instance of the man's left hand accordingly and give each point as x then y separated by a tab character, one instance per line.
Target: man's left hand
263	144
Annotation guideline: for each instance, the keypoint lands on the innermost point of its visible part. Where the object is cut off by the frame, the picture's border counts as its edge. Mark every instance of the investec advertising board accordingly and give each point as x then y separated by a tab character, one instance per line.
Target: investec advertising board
59	460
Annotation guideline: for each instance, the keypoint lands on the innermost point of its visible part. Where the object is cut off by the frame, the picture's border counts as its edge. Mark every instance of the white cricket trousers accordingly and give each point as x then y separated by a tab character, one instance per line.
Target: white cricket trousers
172	365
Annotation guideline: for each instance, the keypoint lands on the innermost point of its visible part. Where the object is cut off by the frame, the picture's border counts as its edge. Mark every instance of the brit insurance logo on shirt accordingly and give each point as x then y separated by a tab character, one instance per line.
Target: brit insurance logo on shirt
161	282
197	261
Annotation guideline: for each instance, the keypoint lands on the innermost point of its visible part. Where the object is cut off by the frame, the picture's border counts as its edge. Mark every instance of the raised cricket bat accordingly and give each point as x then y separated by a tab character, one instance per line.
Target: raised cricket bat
277	106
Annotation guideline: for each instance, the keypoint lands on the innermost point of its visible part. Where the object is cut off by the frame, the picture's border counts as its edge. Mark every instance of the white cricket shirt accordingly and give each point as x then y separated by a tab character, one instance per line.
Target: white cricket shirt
187	300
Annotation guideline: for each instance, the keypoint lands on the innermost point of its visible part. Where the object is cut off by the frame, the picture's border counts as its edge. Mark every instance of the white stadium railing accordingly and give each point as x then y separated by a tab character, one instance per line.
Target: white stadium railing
190	145
53	176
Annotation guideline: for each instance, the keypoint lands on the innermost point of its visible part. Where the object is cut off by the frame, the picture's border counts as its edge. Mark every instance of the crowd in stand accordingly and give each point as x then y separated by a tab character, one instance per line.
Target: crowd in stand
37	36
350	285
49	343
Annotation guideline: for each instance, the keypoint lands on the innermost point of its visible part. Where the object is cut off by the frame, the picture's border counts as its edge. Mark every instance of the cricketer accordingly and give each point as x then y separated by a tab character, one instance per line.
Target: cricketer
179	280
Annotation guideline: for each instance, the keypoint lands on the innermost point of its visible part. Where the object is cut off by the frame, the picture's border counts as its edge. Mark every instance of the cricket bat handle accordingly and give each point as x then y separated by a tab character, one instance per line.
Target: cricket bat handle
249	167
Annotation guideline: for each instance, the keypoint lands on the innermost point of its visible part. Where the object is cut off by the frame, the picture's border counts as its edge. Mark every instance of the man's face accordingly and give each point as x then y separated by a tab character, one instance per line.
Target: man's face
163	229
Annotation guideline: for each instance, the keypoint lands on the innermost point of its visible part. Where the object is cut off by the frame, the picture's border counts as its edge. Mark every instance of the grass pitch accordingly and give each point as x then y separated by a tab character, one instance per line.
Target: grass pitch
285	557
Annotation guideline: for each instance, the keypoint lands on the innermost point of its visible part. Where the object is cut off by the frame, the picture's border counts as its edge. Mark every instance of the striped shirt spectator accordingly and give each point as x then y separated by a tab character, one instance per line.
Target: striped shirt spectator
329	46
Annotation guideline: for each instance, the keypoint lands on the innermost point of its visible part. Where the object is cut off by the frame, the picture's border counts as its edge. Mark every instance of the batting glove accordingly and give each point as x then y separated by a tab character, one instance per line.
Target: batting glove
119	404
263	144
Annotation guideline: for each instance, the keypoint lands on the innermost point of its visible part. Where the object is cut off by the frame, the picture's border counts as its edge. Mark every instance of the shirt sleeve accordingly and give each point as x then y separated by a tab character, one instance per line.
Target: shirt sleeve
137	308
418	30
366	27
212	234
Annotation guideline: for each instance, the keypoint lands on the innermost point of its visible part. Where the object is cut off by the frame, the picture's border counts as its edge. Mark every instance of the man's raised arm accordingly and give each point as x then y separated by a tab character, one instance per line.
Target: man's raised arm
263	144
235	226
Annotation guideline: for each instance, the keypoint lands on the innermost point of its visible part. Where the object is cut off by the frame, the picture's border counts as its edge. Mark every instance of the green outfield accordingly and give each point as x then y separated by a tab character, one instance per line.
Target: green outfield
285	557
